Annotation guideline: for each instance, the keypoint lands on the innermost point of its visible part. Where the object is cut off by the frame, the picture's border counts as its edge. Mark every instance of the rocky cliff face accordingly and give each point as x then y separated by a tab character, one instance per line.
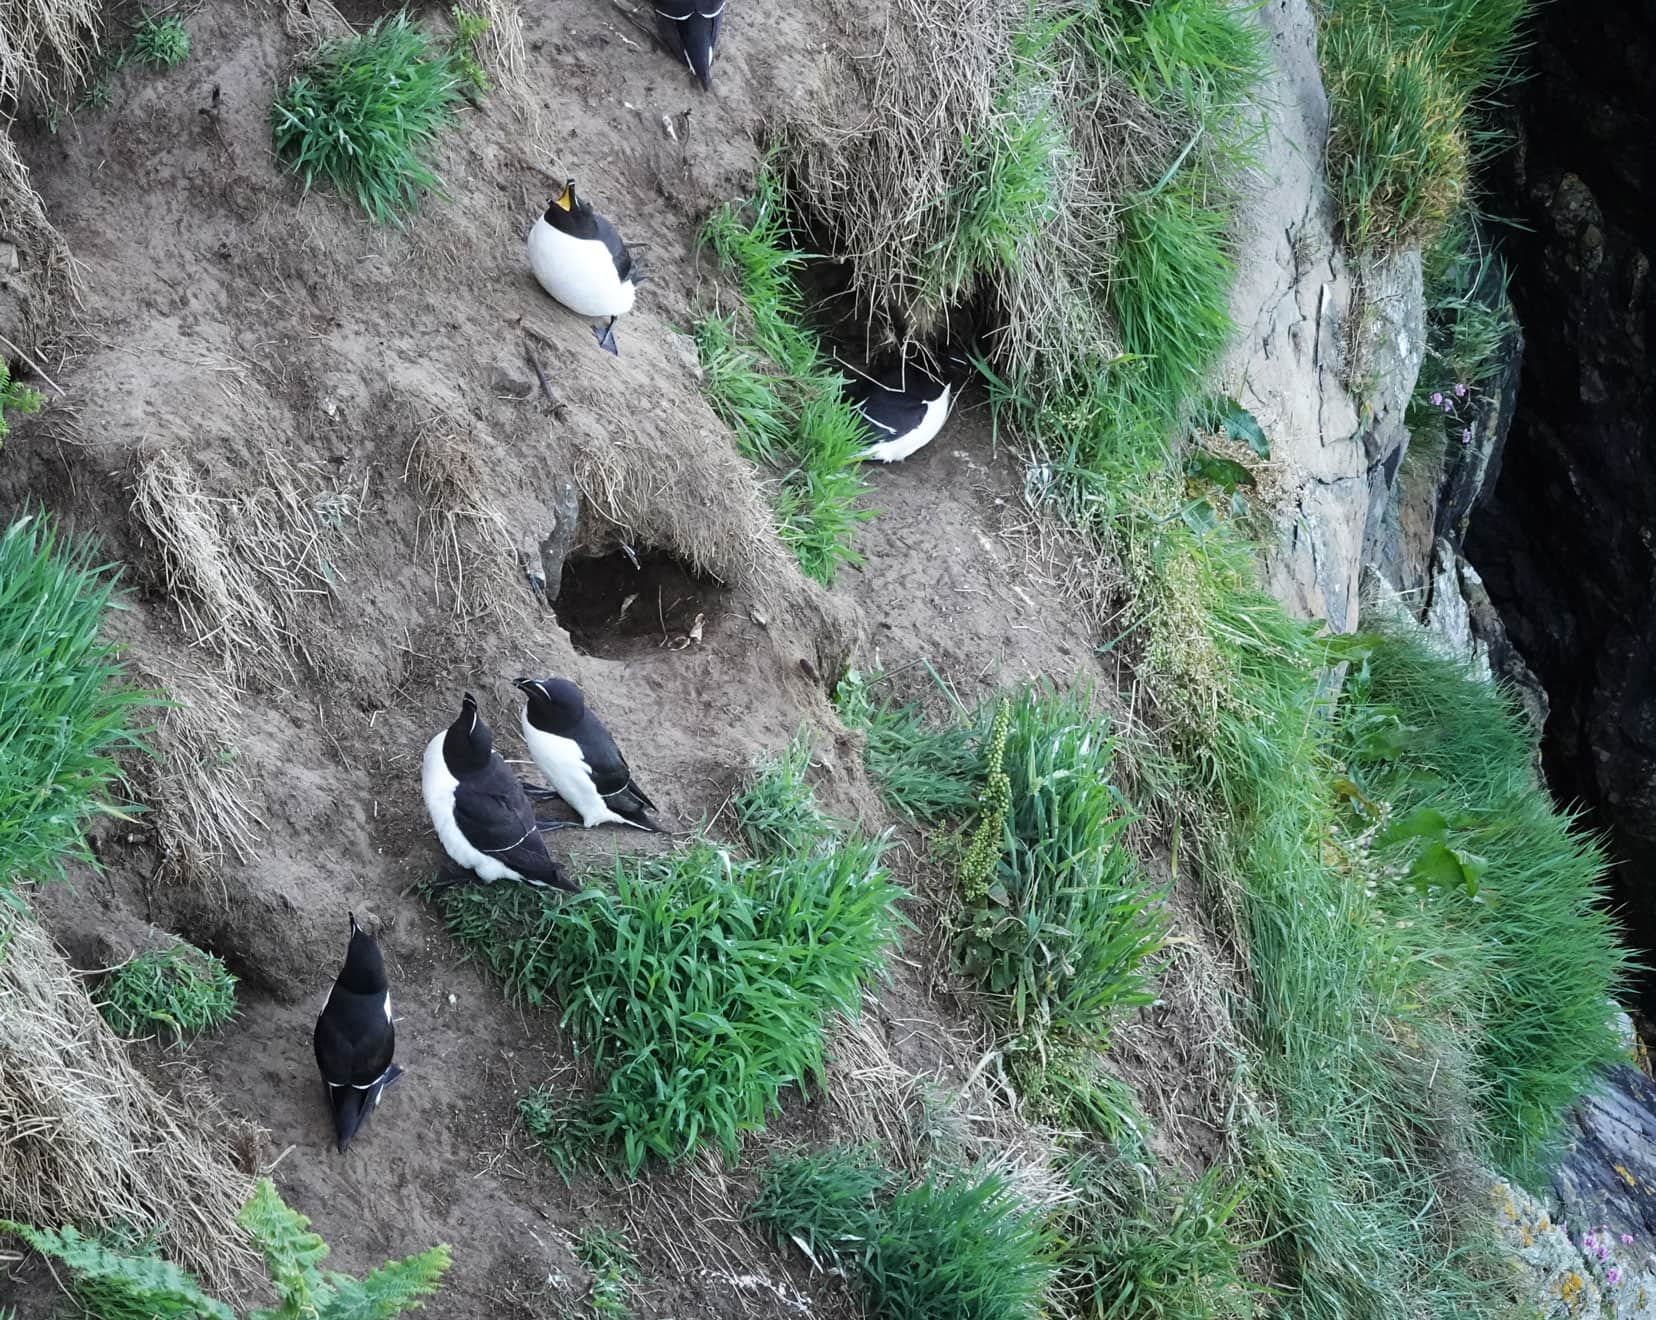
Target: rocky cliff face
1566	540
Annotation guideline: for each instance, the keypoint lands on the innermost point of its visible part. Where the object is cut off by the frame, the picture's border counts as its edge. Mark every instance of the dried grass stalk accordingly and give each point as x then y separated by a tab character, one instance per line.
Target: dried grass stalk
472	556
963	140
46	46
196	785
51	282
237	568
86	1140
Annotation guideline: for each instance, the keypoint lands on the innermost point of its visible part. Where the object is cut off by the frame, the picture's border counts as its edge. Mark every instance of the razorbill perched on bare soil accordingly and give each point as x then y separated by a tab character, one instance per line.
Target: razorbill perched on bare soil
581	261
479	809
579	758
691	30
355	1037
905	406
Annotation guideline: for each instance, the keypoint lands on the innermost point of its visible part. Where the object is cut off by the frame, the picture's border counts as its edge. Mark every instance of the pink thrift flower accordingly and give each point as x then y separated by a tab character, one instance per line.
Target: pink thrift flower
1602	1253
1460	391
1437	398
1627	1239
1448	405
1613	1274
1466	436
1589	1242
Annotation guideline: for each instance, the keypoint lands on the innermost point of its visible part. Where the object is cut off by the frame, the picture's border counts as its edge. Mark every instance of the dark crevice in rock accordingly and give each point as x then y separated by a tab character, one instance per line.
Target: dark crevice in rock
1565	541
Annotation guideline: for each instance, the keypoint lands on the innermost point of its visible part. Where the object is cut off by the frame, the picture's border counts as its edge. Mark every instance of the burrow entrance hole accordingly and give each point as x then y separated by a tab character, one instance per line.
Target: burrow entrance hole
615	607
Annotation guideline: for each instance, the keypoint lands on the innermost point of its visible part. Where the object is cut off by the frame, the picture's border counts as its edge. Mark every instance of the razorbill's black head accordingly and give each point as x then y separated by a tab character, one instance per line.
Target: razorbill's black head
479	809
572	748
355	1038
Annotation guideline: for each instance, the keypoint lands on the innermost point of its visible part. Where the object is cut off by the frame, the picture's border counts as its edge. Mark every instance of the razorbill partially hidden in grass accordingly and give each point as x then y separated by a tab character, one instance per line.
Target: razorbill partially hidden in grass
904	407
581	261
482	816
579	758
355	1037
691	30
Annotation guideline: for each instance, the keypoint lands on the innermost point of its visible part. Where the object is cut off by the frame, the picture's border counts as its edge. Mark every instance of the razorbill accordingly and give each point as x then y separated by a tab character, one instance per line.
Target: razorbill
479	809
579	758
904	407
581	261
355	1037
691	30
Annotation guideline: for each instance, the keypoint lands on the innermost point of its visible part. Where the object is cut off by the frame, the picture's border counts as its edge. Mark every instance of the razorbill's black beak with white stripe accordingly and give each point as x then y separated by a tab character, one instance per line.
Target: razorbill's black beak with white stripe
355	1037
690	29
479	809
579	758
581	261
904	407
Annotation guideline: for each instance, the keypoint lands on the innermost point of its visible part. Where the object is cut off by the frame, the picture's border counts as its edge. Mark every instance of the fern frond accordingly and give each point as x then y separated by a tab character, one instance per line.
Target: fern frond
390	1290
159	1284
290	1249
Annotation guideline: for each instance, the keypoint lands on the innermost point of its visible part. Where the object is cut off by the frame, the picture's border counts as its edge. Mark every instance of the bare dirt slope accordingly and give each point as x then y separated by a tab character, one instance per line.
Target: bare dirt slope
339	450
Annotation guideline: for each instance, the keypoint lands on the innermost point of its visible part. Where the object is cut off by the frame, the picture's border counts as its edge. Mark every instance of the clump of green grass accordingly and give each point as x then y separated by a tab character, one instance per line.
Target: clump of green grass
698	991
128	1281
1132	1250
1453	766
1405	83
364	114
177	988
1066	932
928	773
65	707
776	811
769	380
613	1268
161	41
957	1244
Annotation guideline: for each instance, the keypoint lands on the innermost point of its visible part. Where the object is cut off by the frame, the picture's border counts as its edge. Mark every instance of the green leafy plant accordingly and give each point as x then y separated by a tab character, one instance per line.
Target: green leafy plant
129	1286
363	114
162	42
983	853
177	988
17	399
1066	931
957	1244
701	988
469	29
767	377
65	707
776	811
613	1268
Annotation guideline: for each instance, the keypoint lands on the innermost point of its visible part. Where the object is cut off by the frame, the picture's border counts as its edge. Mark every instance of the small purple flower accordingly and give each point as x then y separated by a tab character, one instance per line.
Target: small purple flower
1589	1242
1603	1252
1627	1239
1613	1274
1460	391
1466	436
1437	398
1448	405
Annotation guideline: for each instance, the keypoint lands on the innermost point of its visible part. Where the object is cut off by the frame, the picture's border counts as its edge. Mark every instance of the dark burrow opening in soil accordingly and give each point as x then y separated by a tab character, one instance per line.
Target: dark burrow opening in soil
615	606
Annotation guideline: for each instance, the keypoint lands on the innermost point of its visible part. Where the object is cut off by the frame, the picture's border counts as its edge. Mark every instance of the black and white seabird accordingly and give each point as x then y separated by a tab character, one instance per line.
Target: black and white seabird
690	29
355	1037
904	407
581	261
479	808
579	758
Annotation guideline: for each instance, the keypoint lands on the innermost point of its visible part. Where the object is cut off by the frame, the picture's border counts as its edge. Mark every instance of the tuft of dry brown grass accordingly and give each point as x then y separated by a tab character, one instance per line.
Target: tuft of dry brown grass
50	280
473	558
86	1140
238	568
195	783
46	46
976	163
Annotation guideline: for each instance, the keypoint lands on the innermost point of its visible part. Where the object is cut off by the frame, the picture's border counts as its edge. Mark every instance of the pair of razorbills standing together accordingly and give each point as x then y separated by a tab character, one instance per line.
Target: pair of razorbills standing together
487	825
